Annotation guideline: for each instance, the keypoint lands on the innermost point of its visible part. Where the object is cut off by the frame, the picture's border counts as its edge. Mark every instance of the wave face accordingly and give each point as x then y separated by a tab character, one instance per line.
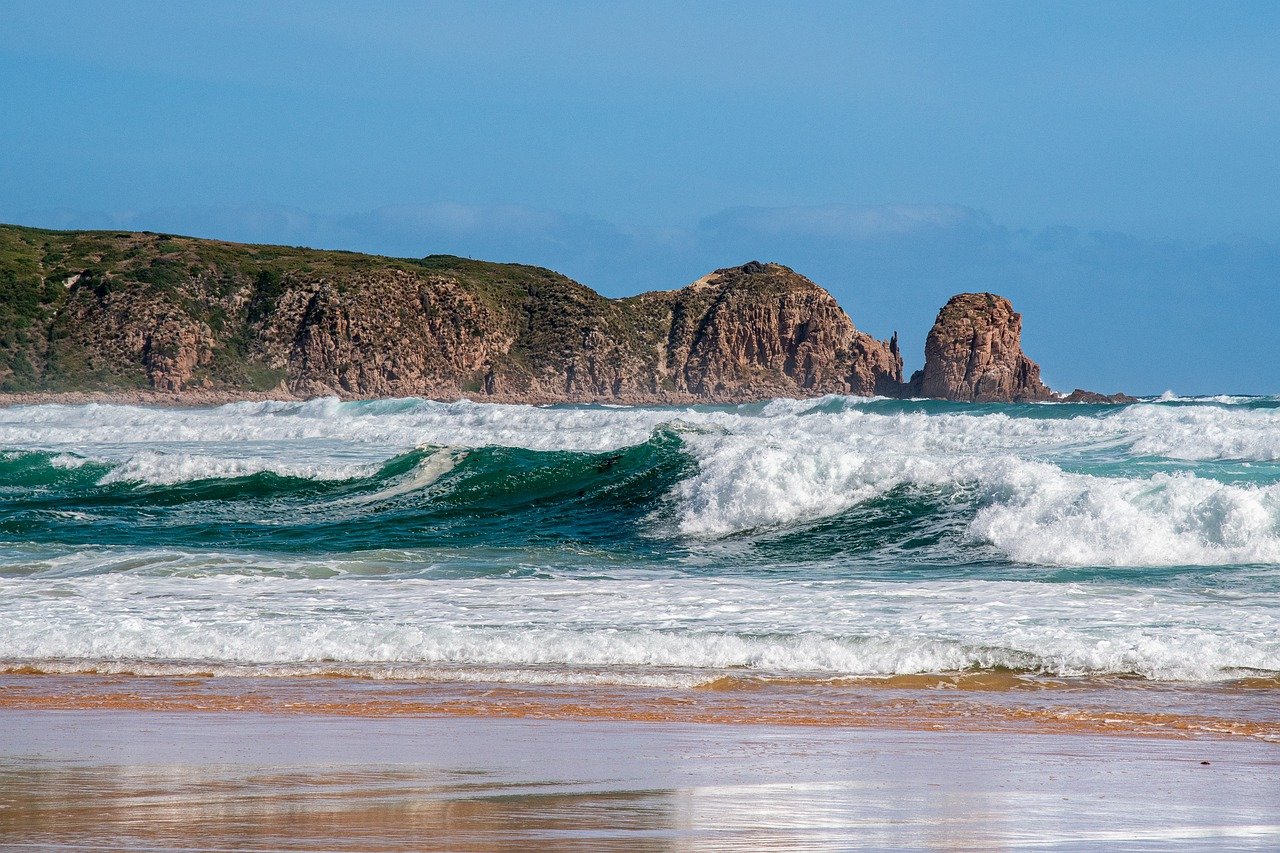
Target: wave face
830	537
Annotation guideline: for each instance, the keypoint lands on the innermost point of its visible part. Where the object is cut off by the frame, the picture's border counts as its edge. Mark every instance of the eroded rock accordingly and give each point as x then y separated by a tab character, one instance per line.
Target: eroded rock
134	312
741	333
974	353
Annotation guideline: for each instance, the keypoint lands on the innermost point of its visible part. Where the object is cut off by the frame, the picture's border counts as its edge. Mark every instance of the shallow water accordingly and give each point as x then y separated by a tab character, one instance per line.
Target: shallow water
657	547
112	780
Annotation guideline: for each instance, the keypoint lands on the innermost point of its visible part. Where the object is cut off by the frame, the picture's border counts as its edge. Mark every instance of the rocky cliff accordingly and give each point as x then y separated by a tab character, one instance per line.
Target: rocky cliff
106	311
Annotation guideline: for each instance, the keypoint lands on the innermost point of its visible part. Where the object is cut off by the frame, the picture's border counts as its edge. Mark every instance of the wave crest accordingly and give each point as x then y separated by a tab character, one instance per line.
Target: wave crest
1157	483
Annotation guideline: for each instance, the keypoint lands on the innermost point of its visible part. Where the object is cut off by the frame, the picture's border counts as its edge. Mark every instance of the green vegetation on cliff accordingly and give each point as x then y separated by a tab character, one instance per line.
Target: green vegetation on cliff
119	311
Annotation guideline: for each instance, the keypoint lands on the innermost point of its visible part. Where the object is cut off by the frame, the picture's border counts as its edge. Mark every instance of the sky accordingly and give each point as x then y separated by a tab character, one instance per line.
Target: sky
1113	168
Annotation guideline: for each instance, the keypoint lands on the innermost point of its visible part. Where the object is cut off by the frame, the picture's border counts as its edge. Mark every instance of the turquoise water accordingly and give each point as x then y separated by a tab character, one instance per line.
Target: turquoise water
830	537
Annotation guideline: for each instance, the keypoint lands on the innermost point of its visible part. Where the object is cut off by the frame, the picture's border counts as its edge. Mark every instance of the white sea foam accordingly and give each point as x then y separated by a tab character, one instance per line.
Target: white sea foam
1033	511
763	466
156	468
1144	485
553	675
434	466
1227	399
377	429
636	628
370	426
1037	514
68	461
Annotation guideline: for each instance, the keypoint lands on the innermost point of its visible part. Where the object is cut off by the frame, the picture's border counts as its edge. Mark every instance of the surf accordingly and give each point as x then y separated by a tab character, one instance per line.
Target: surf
827	538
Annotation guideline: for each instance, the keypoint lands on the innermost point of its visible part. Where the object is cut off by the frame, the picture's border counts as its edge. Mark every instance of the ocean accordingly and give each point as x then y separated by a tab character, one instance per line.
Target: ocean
815	542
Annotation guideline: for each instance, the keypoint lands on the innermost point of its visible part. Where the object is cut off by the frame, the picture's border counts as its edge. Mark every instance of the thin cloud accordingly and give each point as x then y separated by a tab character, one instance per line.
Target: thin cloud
846	221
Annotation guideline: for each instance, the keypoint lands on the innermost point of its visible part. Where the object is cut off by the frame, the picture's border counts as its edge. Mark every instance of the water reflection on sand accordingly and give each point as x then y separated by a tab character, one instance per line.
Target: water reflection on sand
190	781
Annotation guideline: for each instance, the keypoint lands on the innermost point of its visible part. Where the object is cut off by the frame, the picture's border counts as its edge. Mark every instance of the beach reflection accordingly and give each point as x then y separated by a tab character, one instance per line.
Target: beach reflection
235	781
177	807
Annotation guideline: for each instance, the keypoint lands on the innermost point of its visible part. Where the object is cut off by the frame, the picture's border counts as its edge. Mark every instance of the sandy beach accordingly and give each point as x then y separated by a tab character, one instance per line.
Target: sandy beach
237	763
94	780
972	702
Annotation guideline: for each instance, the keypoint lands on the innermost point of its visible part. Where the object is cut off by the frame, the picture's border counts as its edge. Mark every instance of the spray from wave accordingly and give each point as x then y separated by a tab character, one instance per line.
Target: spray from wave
1151	484
835	536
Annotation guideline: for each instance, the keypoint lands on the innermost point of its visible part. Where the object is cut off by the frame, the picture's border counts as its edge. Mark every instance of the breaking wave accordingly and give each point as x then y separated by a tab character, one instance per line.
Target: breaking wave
838	536
670	625
1142	485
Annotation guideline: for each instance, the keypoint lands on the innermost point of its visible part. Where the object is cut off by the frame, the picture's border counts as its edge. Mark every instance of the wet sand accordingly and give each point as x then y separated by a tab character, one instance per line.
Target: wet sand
138	780
979	702
339	763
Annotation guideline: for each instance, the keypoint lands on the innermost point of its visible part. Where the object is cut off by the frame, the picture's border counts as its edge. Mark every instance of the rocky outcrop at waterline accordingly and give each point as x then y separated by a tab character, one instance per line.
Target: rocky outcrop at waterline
155	314
974	354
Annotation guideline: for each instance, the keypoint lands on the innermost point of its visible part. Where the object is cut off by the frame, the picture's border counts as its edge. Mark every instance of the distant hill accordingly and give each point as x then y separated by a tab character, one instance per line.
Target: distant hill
141	315
119	311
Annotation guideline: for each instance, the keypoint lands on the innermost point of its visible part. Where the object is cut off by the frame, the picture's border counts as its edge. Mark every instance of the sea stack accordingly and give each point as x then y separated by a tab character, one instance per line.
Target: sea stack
974	353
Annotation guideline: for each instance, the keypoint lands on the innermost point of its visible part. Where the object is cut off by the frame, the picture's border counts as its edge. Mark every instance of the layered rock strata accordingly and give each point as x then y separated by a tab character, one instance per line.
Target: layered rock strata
743	333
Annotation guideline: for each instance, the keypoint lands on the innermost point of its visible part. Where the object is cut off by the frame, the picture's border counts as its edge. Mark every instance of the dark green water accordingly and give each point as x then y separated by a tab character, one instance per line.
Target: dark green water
836	536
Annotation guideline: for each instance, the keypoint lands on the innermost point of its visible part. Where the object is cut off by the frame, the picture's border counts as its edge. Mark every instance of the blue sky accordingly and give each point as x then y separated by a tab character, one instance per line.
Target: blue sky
1113	167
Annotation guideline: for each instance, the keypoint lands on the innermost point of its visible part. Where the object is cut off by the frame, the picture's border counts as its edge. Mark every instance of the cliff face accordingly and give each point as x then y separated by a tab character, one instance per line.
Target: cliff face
974	353
763	328
120	311
738	334
93	311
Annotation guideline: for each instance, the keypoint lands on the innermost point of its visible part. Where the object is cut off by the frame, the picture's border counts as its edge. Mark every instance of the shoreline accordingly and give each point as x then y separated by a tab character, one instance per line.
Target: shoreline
197	398
936	704
194	398
200	397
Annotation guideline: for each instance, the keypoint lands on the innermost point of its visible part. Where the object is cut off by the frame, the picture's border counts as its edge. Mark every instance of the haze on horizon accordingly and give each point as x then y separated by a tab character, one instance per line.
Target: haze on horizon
1110	167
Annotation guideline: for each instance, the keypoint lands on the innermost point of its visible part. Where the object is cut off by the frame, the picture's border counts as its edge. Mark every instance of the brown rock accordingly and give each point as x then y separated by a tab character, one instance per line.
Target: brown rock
1081	396
742	333
157	315
762	330
974	353
387	335
135	335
